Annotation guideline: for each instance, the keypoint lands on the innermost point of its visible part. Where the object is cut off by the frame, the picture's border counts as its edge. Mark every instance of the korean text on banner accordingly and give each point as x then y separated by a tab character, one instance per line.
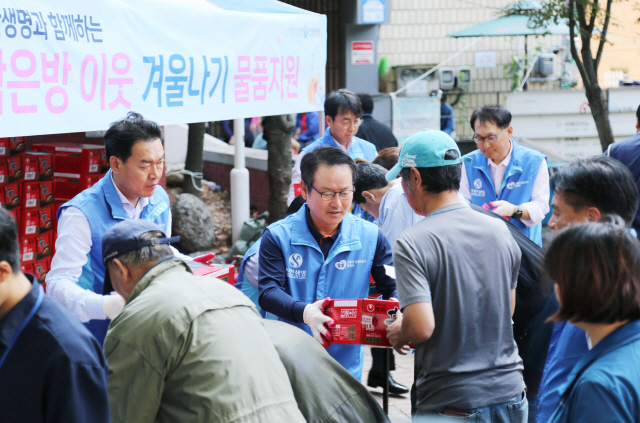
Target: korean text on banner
77	66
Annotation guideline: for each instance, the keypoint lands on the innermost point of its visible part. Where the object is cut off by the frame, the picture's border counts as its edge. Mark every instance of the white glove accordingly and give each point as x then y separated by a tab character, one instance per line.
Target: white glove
503	208
315	318
112	305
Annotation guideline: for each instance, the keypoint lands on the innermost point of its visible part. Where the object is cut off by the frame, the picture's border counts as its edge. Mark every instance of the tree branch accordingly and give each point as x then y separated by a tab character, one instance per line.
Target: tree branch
572	43
594	15
603	35
582	20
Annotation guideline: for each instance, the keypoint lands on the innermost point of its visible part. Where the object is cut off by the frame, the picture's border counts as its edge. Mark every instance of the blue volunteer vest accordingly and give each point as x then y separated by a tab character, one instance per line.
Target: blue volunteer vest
517	182
344	274
103	208
246	288
360	149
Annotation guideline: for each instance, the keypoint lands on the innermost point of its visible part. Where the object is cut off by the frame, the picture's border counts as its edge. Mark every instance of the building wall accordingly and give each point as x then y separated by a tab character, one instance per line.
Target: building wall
258	182
417	35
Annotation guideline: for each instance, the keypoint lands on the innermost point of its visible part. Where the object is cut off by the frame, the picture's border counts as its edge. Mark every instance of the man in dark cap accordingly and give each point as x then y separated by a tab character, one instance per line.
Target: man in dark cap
184	347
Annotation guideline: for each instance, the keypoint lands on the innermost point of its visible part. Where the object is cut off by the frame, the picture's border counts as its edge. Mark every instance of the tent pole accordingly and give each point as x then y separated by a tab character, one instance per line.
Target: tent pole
525	86
239	182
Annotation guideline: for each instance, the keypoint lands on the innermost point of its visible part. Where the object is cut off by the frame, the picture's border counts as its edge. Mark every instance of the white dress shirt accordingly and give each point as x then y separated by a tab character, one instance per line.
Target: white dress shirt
296	175
72	247
537	207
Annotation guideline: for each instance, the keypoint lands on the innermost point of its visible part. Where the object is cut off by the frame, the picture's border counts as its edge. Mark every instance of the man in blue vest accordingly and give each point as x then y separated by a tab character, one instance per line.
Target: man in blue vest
342	111
323	252
628	152
512	179
130	190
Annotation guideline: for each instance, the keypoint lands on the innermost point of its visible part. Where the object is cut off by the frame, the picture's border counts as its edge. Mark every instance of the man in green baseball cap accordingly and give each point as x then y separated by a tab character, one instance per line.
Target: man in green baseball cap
456	274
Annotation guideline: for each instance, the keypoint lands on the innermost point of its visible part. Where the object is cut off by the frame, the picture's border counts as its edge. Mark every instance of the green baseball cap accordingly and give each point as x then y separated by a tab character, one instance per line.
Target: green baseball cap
425	149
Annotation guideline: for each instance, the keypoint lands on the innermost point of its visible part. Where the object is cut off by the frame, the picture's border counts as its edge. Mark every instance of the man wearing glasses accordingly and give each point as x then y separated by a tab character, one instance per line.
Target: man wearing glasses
342	111
323	252
511	179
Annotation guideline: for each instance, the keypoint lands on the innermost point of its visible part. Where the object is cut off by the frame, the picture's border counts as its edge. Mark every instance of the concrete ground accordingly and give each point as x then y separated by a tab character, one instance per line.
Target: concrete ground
399	406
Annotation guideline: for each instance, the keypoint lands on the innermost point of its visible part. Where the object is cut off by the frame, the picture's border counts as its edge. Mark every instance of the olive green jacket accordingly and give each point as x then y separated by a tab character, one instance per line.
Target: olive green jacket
193	349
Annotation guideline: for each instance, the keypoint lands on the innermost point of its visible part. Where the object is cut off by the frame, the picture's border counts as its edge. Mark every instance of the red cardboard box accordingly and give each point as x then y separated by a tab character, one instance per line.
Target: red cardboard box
15	213
29	223
347	314
362	321
37	194
103	160
224	272
28	250
43	245
10	195
12	145
82	158
48	147
41	268
46	219
38	166
11	168
68	185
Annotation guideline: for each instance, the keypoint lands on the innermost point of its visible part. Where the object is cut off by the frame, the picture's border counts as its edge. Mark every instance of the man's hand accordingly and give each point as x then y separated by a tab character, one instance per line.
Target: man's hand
394	335
315	318
503	208
112	305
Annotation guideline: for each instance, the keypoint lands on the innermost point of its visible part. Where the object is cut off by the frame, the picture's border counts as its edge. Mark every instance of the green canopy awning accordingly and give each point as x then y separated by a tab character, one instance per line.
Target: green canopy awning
507	26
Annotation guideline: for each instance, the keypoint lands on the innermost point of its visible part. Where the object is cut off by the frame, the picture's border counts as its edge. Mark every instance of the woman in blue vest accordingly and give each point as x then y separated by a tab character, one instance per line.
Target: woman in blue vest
600	293
511	179
342	111
323	252
129	190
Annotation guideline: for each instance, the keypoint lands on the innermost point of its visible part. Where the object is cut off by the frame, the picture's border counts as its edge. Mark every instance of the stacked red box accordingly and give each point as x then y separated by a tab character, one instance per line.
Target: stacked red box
12	146
38	166
362	321
68	185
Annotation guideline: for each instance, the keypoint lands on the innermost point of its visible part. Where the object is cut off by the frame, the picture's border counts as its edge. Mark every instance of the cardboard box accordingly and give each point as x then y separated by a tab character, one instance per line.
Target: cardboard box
38	166
41	268
29	223
46	219
11	169
12	145
362	321
28	250
10	195
37	194
82	158
43	245
224	272
103	160
68	185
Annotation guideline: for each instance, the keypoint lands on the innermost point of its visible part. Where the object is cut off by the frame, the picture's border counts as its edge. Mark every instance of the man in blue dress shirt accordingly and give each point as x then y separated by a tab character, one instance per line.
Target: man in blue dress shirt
51	368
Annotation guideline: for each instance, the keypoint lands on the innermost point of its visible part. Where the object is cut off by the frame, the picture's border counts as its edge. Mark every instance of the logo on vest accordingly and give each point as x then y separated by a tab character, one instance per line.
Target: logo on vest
477	183
295	260
341	264
409	160
512	185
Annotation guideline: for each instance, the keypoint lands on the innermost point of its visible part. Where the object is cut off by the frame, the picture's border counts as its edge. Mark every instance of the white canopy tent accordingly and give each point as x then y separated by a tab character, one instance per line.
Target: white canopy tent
75	66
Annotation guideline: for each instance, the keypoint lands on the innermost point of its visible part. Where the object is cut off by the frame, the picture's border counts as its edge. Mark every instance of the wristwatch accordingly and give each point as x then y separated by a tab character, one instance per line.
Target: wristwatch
518	213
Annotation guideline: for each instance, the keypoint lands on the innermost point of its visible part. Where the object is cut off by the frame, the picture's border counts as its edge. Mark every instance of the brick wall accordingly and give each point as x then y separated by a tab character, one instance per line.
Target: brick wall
258	182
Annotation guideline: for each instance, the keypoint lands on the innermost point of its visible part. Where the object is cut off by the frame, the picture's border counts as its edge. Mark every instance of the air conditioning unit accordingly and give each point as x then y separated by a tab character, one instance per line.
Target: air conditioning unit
463	77
447	79
406	74
546	64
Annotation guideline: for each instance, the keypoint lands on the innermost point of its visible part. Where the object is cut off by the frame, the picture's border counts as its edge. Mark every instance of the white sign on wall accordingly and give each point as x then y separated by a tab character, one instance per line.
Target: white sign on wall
362	53
485	59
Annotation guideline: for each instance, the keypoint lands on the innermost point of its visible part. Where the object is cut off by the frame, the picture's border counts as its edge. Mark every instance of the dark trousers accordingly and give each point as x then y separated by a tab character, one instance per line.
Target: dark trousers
377	364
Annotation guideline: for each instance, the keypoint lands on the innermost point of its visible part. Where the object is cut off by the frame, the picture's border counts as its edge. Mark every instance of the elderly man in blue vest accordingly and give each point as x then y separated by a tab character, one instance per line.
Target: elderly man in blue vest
511	179
130	190
323	252
342	111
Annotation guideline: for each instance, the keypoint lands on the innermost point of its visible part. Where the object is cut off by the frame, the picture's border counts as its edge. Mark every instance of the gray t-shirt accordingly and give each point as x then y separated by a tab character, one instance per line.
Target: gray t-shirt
465	264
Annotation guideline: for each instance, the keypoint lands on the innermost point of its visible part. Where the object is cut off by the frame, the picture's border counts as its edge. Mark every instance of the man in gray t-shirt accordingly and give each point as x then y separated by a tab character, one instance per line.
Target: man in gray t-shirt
456	275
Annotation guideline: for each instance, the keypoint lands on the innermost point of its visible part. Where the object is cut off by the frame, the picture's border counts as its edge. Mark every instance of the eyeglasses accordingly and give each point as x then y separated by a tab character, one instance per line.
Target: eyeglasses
330	195
347	124
490	139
